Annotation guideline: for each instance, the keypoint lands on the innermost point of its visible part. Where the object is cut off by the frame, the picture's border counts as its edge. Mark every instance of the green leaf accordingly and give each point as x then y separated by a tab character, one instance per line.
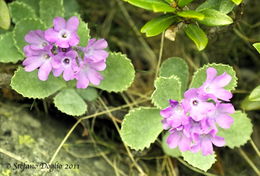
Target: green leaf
118	75
200	75
166	89
69	102
215	18
169	151
34	4
237	2
9	52
191	14
71	7
29	85
5	19
178	67
83	32
49	9
20	11
255	94
158	25
197	35
22	28
248	105
257	46
89	94
198	160
224	6
182	3
154	5
141	127
240	131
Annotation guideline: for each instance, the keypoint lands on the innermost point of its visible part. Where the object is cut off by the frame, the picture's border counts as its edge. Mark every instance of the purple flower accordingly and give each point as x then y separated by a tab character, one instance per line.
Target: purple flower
215	84
178	138
174	115
41	59
221	115
196	104
36	40
65	63
88	73
204	142
95	50
63	34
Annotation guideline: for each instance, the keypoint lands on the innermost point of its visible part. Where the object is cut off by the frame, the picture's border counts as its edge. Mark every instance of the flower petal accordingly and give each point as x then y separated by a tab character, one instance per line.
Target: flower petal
72	24
173	140
222	80
83	81
206	146
224	121
68	74
45	70
51	35
59	23
218	141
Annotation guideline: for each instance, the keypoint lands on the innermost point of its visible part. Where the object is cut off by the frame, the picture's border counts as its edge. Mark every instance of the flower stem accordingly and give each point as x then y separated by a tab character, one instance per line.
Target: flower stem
160	55
253	166
255	147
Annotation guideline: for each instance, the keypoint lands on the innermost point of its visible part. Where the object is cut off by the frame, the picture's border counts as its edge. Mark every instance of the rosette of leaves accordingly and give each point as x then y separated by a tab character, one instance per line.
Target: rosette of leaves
142	126
175	12
30	15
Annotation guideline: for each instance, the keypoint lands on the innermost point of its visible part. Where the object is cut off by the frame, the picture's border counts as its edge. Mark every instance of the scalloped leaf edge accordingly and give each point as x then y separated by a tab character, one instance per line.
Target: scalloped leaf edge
133	77
125	119
55	104
22	56
212	64
155	85
14	35
24	5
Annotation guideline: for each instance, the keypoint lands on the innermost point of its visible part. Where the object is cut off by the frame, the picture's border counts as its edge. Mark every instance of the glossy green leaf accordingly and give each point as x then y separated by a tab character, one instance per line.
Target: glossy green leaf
20	11
255	94
69	102
154	5
9	52
29	85
215	18
178	67
34	4
248	105
198	160
199	76
191	14
197	35
22	28
141	127
240	130
224	6
182	3
88	94
119	73
257	46
158	25
169	151
5	19
83	32
49	9
166	89
237	2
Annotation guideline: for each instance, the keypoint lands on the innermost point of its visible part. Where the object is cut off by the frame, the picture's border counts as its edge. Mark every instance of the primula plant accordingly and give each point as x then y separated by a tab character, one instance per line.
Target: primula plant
60	60
192	118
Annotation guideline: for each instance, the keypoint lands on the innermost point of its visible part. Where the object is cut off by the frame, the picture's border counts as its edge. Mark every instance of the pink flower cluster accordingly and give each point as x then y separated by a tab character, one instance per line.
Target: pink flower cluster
55	50
193	122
